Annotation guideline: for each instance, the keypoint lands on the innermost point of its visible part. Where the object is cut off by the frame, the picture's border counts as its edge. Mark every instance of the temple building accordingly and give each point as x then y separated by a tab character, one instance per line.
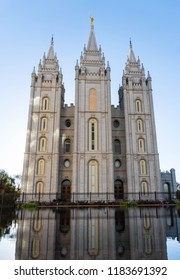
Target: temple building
91	147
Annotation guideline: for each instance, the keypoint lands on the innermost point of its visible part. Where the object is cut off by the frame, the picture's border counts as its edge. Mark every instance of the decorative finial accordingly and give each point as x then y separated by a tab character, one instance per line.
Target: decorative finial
92	21
130	43
52	40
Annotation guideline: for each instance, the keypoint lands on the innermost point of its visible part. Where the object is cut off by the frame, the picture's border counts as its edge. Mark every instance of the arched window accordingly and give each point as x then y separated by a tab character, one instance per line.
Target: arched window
39	187
41	167
143	169
42	144
141	146
138	106
144	188
93	176
44	124
45	103
67	146
92	99
140	127
66	190
117	146
35	248
93	144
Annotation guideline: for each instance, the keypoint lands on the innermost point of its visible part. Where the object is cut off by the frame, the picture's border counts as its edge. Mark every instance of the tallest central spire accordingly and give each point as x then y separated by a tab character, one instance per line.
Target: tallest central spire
92	45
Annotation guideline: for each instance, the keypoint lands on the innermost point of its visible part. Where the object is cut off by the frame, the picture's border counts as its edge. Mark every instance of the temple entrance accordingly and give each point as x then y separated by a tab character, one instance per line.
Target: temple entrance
118	189
66	190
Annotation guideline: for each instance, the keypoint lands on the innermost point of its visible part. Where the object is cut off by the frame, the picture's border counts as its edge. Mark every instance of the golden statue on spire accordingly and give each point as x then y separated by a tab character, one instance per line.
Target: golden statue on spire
92	20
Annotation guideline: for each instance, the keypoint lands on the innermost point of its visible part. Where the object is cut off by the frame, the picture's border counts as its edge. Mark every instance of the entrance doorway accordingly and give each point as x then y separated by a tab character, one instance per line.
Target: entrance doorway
66	190
118	189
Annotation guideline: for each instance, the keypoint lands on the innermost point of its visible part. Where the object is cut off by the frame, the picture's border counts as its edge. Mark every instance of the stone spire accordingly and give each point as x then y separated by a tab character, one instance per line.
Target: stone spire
131	57
92	45
51	50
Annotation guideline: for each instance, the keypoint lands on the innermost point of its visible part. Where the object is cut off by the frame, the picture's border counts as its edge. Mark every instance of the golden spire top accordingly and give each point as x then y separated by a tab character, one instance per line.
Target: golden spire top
92	21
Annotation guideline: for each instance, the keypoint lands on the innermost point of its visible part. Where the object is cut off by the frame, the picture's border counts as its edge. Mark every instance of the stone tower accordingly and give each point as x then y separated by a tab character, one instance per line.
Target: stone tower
142	159
41	159
92	157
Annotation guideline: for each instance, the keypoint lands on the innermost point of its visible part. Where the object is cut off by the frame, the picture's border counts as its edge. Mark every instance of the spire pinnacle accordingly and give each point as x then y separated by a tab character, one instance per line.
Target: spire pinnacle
92	21
131	53
130	43
92	45
51	49
52	40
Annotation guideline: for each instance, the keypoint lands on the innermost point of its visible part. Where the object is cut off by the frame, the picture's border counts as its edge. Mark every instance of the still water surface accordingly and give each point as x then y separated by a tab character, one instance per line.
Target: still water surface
92	233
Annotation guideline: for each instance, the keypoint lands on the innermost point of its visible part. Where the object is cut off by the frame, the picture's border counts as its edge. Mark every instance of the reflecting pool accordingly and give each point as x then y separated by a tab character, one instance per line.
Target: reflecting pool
141	233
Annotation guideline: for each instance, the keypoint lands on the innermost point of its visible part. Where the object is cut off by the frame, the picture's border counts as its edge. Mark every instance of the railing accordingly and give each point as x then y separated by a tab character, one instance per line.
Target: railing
94	197
8	199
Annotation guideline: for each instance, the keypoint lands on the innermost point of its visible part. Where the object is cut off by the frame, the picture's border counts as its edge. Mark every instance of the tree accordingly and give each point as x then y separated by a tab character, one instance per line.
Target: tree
7	183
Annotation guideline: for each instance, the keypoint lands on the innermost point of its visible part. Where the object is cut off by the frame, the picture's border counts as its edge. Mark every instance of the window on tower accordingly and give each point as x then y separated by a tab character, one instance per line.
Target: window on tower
67	146
44	124
143	169
39	188
144	188
117	146
45	103
42	144
140	127
138	106
92	99
41	167
93	176
92	134
141	145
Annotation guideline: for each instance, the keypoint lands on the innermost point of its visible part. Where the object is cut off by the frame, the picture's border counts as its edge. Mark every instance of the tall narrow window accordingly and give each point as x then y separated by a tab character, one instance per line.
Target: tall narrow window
117	146
144	188
143	170
141	146
39	187
138	106
140	128
92	99
67	146
92	137
42	144
44	124
41	167
45	103
93	176
92	134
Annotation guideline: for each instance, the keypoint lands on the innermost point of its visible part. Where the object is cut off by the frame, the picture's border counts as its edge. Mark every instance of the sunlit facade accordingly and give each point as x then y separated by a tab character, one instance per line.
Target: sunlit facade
92	146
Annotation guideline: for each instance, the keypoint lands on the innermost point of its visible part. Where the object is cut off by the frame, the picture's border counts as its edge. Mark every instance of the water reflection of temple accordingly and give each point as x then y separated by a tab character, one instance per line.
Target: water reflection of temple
92	233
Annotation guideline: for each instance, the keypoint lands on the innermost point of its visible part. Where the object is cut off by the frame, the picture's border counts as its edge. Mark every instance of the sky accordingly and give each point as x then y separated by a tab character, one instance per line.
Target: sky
26	28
